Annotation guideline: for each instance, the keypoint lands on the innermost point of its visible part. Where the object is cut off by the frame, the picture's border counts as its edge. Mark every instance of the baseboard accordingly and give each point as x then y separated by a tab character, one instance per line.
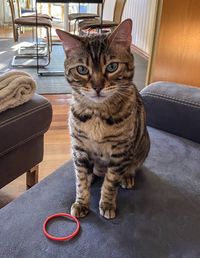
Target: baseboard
140	52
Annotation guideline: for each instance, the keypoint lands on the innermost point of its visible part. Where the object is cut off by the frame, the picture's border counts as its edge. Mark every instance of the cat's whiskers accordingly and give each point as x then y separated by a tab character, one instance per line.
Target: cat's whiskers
86	89
110	88
124	94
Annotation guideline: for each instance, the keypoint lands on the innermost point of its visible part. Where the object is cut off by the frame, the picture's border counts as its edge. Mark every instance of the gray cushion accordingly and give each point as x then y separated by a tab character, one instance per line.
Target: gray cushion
174	108
159	219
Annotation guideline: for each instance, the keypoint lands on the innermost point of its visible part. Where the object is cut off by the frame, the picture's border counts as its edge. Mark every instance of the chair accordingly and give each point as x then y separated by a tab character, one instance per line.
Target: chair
97	24
30	13
30	21
76	17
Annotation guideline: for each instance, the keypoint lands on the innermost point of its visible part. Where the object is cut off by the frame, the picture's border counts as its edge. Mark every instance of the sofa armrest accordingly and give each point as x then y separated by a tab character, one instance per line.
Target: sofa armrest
174	108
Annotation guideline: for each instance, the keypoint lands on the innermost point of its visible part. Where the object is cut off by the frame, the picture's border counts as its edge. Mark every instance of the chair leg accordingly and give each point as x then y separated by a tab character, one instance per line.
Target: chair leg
47	55
75	25
50	43
32	176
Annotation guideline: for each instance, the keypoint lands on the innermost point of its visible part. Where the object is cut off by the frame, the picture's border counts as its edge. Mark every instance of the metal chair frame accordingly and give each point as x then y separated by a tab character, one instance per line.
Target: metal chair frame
117	17
40	50
98	15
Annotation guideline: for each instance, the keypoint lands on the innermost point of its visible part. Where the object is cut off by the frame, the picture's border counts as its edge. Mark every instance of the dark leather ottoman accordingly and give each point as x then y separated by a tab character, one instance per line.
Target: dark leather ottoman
159	219
21	139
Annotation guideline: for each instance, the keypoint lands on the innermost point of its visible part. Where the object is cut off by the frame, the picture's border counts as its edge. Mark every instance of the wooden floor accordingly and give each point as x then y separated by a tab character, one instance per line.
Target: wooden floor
57	141
6	32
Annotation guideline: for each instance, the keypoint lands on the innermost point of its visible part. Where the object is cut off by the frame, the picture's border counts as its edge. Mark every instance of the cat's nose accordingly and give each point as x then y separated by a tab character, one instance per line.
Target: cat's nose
97	88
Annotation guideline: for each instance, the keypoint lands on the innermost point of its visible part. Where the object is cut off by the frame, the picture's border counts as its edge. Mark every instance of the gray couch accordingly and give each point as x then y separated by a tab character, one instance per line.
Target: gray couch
159	219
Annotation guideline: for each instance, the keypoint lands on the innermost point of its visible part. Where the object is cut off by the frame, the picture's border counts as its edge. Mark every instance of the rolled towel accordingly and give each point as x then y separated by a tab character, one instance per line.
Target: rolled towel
16	88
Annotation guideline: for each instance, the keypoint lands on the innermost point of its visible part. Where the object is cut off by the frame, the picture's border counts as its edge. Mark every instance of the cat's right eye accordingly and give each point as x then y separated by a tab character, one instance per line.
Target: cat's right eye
112	67
81	69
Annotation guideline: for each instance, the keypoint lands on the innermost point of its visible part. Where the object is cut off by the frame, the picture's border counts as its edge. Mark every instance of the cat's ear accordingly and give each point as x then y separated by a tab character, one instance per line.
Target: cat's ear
122	34
69	41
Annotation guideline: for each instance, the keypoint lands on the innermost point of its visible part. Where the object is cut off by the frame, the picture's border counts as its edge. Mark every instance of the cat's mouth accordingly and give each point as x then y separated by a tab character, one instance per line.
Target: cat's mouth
98	98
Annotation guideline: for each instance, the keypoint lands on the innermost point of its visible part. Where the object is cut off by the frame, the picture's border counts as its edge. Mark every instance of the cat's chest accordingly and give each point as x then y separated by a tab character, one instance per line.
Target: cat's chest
95	129
95	132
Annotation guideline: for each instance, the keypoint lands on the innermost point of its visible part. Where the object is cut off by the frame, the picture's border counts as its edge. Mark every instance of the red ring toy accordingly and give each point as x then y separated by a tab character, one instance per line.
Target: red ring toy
61	238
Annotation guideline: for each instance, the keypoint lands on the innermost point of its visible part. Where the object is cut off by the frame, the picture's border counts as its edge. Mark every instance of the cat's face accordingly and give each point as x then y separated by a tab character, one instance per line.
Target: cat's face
100	66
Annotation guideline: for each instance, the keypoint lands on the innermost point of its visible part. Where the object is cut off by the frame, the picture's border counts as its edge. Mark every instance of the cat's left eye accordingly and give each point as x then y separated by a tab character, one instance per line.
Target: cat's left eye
112	67
82	70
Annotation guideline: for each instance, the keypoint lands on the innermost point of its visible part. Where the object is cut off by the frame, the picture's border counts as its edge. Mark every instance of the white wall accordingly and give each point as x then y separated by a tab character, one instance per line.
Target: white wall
5	15
108	9
2	12
143	13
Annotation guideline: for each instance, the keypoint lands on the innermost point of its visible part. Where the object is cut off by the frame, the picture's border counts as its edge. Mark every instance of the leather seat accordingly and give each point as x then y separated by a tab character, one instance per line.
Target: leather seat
75	16
96	24
40	15
21	136
26	21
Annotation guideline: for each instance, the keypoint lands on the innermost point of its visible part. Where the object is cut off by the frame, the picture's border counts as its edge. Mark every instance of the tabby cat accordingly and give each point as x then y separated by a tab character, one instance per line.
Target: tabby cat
107	117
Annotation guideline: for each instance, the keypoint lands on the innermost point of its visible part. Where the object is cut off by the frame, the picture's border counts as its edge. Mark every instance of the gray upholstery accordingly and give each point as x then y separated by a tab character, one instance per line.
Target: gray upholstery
159	219
174	108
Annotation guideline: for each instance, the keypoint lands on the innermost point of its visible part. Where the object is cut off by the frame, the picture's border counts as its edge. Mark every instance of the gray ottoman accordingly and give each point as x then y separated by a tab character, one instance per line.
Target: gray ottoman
159	219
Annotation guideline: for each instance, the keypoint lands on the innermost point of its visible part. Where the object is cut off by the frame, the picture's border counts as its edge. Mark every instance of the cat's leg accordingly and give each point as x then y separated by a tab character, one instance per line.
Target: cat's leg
138	160
107	204
83	171
80	207
128	178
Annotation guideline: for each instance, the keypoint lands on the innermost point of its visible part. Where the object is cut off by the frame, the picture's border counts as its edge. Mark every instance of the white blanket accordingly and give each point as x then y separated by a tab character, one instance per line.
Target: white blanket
16	88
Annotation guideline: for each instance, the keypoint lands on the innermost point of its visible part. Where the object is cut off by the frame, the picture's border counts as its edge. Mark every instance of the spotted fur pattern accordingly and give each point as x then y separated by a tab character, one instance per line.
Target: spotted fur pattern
108	131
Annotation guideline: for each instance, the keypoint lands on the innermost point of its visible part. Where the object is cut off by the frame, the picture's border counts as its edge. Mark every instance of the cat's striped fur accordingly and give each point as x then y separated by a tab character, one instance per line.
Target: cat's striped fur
109	135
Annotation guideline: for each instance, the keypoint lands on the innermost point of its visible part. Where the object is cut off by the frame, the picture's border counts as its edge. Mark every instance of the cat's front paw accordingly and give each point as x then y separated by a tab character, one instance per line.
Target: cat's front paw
107	210
127	182
79	210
